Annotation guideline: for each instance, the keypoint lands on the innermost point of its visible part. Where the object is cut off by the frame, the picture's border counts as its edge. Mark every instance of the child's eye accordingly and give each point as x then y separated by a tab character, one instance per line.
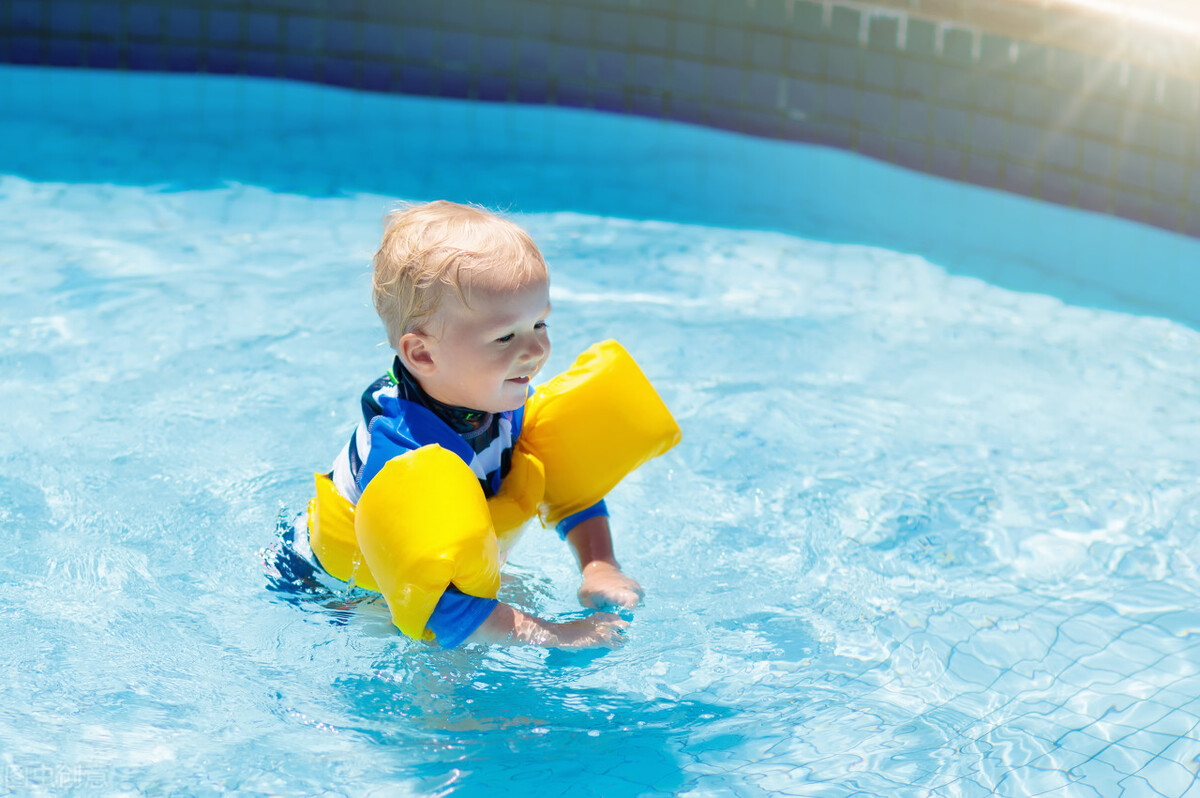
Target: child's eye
504	339
541	325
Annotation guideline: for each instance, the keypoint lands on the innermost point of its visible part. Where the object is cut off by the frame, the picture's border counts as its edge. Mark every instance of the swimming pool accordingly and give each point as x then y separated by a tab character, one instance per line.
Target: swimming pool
925	534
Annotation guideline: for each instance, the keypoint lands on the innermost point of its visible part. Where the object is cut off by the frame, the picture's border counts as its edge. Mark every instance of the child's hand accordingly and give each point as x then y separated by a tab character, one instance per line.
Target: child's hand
509	626
604	586
601	630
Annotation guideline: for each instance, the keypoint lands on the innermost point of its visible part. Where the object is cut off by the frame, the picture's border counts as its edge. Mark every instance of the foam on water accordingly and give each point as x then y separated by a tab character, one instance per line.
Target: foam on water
923	534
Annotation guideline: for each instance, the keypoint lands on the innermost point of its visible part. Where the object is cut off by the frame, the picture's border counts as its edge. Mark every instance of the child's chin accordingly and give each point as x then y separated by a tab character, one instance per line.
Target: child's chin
511	399
513	405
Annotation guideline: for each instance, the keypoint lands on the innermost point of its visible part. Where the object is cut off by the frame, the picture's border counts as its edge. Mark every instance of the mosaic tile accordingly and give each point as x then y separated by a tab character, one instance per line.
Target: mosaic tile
761	88
914	119
1091	195
493	16
1171	137
612	29
984	170
918	78
574	61
1061	151
1030	101
728	45
648	72
875	144
806	58
66	17
494	88
1024	142
883	34
1097	159
1022	179
303	33
261	29
958	47
996	52
144	20
841	63
955	86
1169	178
771	14
535	19
725	83
575	24
808	18
951	125
988	133
64	52
225	60
1132	206
992	93
26	15
104	55
758	123
1134	169
875	110
646	103
911	153
880	70
921	38
1058	186
1067	70
1181	98
767	50
1097	118
1033	61
840	102
845	23
687	78
532	88
609	99
652	33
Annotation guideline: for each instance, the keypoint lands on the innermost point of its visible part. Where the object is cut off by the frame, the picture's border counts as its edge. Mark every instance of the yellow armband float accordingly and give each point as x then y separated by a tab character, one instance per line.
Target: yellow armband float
432	497
423	523
591	425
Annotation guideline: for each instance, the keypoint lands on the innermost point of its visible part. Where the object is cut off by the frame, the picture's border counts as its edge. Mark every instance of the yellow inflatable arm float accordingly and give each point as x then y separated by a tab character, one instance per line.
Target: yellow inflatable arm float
423	523
590	426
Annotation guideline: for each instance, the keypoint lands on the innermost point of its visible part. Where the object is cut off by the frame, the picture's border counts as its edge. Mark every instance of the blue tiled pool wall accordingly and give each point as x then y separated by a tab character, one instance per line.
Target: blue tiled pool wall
945	96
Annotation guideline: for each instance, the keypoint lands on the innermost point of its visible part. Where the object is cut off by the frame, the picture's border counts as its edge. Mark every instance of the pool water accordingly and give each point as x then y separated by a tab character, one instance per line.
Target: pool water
924	534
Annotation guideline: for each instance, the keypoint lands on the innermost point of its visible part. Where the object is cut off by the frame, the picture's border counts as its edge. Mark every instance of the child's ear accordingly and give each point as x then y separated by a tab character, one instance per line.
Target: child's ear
416	354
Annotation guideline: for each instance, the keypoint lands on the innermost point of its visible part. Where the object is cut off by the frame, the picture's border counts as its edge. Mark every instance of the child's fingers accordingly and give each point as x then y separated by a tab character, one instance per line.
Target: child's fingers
622	597
610	629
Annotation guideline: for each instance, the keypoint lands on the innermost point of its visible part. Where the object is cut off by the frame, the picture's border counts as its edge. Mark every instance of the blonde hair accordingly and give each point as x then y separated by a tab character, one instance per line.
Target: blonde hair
431	248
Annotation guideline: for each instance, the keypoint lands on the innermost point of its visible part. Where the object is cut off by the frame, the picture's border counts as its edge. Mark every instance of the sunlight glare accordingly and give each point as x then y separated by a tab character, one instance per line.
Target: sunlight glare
1181	17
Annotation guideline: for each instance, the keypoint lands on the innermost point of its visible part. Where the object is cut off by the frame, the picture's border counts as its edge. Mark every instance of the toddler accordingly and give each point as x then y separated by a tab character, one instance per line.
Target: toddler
464	297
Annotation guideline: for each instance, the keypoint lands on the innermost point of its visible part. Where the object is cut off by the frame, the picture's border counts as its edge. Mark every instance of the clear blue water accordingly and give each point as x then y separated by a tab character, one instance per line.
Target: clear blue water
925	535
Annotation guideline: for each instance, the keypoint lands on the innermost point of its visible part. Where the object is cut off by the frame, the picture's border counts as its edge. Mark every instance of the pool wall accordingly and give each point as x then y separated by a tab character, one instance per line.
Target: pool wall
1035	98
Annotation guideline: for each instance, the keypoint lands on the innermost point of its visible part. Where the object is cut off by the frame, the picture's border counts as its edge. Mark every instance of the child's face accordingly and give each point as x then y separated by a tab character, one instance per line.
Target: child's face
483	356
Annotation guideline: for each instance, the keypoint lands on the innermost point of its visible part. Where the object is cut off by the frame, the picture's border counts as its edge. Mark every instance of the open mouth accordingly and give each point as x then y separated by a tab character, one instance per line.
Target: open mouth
520	380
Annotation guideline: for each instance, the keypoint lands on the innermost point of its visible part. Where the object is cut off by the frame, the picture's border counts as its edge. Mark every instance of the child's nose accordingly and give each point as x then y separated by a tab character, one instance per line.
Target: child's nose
535	349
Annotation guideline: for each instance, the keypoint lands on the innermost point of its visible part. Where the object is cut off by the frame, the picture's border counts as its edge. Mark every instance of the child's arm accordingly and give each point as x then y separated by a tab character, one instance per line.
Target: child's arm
507	624
603	585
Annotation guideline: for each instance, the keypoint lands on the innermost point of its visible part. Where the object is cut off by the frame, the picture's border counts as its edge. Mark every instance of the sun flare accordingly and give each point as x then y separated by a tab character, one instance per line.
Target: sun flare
1182	16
